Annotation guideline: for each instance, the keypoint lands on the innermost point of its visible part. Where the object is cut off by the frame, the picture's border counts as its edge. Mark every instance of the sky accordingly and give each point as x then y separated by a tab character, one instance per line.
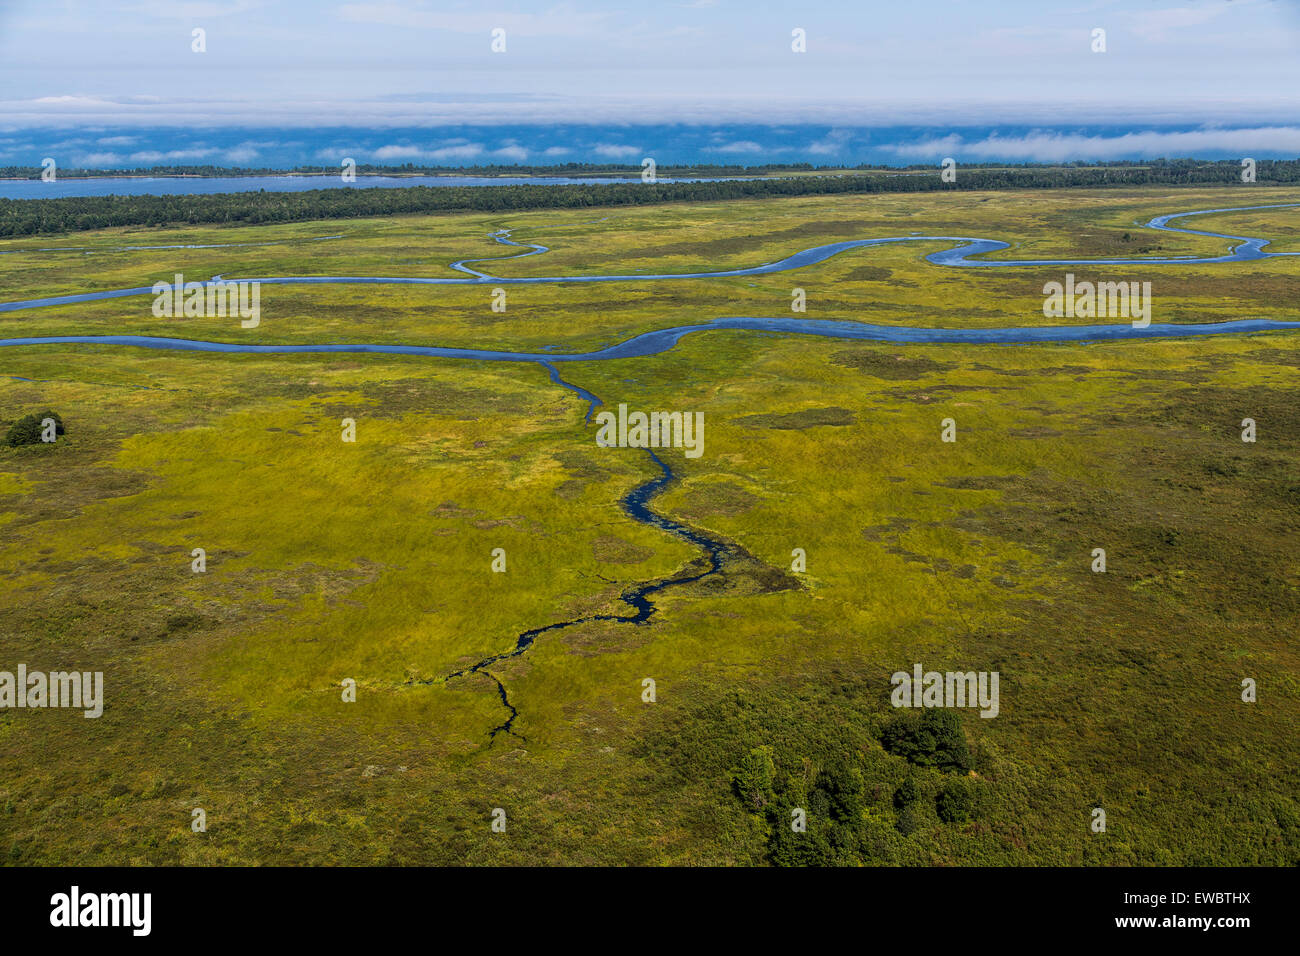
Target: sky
995	80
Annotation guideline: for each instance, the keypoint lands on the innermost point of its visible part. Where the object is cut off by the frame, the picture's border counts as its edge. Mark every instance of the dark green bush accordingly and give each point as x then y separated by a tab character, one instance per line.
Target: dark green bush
906	823
753	781
956	802
58	420
933	738
27	430
905	794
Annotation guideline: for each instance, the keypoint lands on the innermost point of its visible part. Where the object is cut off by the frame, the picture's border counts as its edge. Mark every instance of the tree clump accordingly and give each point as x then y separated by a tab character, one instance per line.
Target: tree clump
30	429
933	738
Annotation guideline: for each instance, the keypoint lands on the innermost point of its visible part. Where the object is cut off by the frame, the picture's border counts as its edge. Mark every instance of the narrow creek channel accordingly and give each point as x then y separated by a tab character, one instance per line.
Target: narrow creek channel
638	598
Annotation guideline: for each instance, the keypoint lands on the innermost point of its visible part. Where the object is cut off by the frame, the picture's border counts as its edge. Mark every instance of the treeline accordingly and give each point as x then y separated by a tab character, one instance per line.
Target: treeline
31	217
841	815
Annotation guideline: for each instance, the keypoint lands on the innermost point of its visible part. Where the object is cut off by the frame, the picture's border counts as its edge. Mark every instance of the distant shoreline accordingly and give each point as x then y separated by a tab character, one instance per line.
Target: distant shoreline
35	208
573	171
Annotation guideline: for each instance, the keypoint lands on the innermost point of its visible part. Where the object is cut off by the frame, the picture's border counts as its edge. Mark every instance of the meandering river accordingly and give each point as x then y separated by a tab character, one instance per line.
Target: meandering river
639	598
1246	249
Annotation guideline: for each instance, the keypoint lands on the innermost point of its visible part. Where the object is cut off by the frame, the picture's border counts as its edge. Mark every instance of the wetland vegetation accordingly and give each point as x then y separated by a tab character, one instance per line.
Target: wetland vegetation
371	560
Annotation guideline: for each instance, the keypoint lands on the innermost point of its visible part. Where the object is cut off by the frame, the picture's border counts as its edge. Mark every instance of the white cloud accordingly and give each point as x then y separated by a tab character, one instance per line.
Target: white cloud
242	154
98	159
458	149
834	142
457	152
615	151
1232	105
398	152
170	156
1048	147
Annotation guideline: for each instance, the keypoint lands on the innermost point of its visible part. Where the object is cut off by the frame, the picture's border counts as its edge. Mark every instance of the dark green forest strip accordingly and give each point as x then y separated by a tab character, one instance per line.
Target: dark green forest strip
32	217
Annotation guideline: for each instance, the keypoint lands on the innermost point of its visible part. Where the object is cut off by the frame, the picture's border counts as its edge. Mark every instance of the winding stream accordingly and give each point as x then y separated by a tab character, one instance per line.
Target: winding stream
636	504
1246	249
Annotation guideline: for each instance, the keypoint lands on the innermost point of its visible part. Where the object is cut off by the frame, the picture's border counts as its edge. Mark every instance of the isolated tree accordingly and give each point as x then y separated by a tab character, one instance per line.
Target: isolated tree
905	794
956	802
933	739
754	780
27	430
58	420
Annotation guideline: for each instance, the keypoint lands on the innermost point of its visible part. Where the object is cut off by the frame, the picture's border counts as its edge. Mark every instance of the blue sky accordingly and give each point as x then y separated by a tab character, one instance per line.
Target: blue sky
1179	77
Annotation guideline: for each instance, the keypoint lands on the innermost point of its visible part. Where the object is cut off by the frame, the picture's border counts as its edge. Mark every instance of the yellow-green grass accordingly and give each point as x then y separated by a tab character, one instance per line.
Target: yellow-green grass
319	572
668	238
371	561
890	285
